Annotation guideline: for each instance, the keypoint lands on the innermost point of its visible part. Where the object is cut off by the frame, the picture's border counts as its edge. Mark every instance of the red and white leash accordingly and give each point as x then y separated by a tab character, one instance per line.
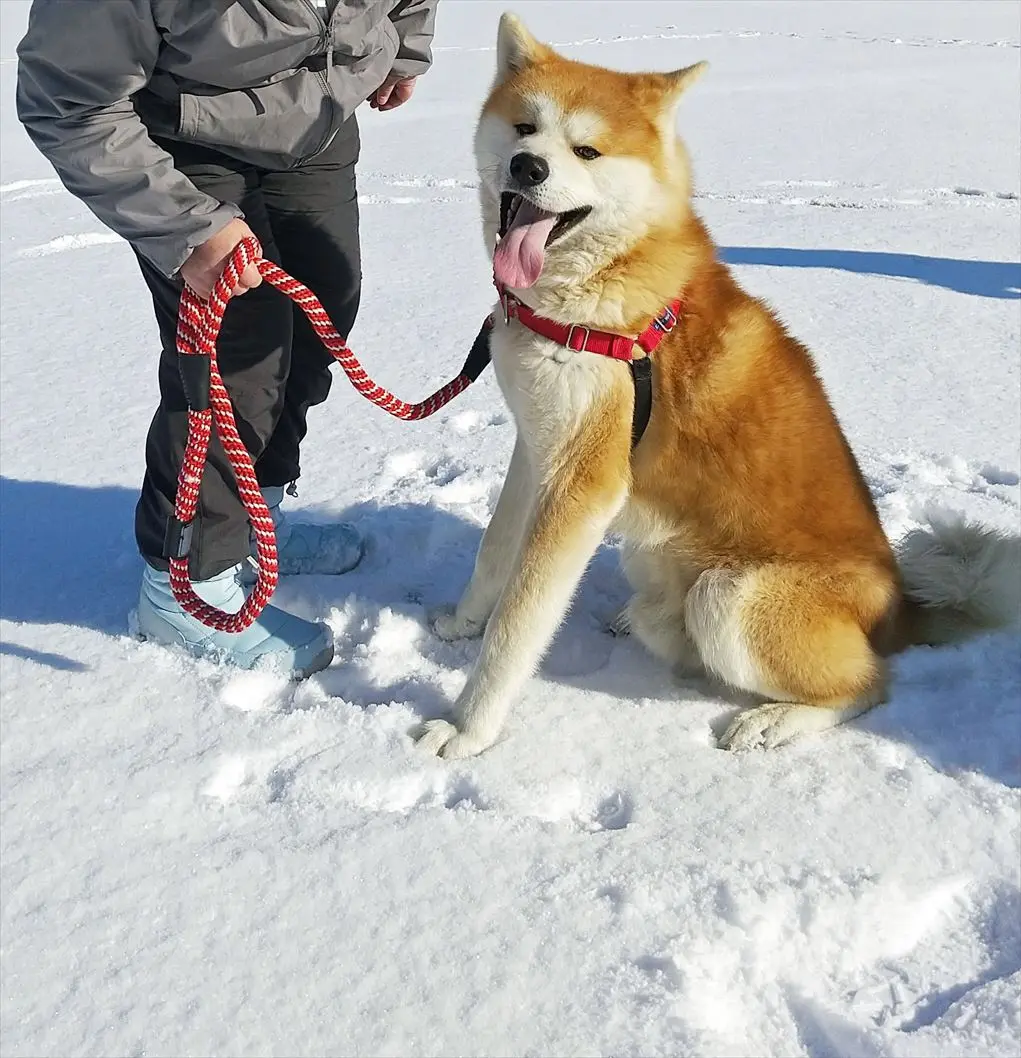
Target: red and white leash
198	327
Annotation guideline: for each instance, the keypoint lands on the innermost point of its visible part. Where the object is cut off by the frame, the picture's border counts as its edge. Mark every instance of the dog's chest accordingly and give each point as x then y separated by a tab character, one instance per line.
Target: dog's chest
548	387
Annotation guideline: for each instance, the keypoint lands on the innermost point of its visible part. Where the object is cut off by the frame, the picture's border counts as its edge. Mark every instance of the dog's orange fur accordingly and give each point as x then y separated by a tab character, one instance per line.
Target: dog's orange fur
743	458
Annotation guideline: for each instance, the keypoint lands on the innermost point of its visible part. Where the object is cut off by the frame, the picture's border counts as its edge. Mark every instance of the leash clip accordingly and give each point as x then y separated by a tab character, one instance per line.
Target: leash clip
510	305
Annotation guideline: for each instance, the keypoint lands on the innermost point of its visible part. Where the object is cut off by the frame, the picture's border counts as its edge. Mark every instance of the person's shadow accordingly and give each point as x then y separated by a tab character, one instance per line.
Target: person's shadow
67	554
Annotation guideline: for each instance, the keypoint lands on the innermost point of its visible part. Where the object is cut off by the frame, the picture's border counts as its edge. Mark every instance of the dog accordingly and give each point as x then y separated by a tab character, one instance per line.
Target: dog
750	539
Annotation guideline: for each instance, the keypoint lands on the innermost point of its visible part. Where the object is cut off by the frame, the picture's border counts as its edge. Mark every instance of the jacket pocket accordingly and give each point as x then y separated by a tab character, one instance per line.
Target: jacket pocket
291	117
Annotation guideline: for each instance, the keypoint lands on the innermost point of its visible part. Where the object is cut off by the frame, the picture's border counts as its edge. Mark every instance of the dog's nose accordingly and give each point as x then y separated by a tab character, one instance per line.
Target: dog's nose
529	169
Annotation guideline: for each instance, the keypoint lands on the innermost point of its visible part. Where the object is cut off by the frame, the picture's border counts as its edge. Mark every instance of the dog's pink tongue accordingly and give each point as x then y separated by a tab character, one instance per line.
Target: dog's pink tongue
519	255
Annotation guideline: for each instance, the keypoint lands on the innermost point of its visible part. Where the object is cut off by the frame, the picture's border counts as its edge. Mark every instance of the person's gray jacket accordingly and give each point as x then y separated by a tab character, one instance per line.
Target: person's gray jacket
265	81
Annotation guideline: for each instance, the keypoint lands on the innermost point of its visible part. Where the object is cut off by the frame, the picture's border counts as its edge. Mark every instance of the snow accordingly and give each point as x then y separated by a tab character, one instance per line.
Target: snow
201	862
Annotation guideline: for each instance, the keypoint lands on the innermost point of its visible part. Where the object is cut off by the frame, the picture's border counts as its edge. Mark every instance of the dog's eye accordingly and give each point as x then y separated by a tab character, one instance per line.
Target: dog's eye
588	153
525	130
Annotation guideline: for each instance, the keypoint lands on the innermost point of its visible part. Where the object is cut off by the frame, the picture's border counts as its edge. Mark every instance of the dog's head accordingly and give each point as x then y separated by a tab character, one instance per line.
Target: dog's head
576	163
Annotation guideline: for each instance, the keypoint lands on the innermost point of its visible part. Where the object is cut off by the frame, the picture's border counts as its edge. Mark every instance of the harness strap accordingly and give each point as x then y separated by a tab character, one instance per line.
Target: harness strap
641	377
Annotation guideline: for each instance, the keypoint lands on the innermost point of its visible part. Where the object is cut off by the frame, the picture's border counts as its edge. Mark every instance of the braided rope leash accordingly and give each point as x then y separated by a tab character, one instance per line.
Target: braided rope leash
198	326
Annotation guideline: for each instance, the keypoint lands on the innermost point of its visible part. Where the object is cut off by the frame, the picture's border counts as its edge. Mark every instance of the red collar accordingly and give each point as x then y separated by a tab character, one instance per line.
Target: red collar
587	339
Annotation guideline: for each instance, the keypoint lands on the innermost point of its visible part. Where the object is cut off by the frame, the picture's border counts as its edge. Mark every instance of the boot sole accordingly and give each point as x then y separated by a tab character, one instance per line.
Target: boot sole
321	661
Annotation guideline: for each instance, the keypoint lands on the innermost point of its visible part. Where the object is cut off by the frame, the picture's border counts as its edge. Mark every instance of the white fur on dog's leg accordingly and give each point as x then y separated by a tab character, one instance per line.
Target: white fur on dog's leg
442	739
772	725
546	573
447	625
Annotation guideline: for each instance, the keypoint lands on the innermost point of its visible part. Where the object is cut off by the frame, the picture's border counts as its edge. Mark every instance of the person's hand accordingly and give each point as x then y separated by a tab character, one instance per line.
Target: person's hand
208	260
392	92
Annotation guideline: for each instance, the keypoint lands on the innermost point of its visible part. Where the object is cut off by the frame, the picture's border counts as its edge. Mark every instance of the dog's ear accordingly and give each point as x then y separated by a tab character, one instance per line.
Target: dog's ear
662	92
516	48
679	81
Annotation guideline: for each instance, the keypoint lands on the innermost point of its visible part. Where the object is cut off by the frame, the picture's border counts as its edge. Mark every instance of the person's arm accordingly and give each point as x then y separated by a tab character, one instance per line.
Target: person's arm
79	64
414	21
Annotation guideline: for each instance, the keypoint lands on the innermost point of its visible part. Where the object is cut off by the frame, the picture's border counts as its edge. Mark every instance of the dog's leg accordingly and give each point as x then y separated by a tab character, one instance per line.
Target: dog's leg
499	545
796	635
655	613
659	626
572	514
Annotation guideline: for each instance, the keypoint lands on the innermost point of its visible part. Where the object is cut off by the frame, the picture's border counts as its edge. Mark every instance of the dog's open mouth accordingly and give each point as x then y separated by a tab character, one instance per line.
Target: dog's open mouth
525	232
511	203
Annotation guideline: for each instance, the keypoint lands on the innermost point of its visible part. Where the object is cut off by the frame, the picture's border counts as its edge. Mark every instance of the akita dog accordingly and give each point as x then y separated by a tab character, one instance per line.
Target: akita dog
751	540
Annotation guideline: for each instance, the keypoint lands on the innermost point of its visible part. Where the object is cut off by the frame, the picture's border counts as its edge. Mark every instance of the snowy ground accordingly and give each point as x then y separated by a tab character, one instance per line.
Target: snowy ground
208	864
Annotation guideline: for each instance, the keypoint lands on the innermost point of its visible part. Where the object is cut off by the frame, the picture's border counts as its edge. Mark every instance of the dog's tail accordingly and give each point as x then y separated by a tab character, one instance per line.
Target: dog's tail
960	580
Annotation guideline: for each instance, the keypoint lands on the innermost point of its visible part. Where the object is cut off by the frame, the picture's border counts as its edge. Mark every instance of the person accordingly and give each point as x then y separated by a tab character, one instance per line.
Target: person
186	126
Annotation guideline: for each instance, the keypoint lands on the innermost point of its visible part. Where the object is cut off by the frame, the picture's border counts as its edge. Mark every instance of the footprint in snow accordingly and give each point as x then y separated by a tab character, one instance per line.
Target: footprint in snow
662	969
615	896
444	471
993	475
613	812
464	794
977	192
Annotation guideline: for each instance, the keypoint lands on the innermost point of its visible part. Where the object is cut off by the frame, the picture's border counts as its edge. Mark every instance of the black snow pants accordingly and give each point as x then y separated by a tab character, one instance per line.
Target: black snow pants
272	363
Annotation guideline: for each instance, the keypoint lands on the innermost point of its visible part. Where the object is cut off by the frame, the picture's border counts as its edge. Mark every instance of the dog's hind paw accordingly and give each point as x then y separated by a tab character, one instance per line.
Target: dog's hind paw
446	624
777	723
759	728
442	739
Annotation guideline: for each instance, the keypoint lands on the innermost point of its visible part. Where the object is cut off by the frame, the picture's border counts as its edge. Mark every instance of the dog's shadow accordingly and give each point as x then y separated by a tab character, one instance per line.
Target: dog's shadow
419	559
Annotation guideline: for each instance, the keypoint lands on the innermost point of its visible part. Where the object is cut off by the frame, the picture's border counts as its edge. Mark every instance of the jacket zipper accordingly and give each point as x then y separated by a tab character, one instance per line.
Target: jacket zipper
323	48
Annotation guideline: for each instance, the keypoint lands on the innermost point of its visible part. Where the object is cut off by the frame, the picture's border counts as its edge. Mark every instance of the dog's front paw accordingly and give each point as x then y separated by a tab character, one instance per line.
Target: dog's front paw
446	624
441	738
764	727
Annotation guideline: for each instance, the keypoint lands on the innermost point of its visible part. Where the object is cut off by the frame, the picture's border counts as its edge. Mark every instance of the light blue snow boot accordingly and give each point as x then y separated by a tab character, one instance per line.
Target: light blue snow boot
303	547
278	640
